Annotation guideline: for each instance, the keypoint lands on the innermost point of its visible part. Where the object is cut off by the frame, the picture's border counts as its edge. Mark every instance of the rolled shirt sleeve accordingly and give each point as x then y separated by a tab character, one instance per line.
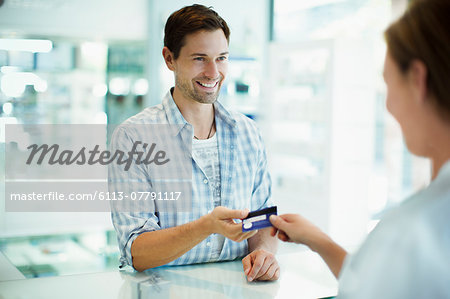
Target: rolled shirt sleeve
129	222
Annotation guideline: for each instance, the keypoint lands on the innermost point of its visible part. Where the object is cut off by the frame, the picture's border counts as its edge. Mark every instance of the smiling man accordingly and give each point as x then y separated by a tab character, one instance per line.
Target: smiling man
229	167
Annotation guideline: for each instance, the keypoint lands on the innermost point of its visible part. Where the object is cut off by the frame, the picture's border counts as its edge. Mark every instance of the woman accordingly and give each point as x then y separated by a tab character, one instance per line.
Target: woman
408	254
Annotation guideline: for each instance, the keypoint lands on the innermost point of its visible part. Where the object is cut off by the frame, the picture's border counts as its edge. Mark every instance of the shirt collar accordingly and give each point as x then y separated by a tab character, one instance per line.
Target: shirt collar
224	115
174	116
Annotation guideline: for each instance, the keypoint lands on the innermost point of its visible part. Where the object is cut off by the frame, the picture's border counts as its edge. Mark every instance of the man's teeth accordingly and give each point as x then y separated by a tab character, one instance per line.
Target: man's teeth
208	85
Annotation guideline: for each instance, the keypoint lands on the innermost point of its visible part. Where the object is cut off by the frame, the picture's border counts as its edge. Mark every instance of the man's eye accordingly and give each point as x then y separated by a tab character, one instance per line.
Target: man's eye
199	58
221	58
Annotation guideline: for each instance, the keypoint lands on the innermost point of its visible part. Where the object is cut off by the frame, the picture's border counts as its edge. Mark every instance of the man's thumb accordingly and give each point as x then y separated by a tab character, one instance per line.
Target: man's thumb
234	214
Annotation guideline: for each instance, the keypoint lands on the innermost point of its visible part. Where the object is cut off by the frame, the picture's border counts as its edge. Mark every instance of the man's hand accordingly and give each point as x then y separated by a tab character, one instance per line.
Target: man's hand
221	221
261	265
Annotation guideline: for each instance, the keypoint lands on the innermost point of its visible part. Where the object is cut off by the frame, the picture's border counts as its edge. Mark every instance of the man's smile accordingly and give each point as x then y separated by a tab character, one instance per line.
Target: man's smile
208	86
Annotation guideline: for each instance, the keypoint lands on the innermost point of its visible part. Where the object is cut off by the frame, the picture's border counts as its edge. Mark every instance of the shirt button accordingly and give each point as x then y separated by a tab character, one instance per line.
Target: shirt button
208	243
205	181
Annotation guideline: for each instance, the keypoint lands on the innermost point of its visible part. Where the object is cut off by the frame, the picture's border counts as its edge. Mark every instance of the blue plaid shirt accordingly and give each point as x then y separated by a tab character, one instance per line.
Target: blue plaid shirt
245	183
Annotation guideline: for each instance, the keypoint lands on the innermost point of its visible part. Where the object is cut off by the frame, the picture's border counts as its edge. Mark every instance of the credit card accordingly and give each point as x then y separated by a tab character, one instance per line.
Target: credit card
258	219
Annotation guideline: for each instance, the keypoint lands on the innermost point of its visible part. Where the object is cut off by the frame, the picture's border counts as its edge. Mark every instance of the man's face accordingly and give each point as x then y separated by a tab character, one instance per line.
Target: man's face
201	66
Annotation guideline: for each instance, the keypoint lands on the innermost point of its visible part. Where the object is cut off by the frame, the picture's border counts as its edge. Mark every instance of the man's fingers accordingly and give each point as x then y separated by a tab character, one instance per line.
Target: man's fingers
257	265
270	274
277	274
235	233
247	264
225	213
267	263
250	234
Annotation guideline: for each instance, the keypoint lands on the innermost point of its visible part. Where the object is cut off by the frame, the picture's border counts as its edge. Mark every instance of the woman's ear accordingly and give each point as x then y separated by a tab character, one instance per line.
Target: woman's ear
417	75
168	58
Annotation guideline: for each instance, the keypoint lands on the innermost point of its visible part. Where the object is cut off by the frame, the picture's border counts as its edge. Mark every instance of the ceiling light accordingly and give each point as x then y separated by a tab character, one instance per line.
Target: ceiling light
27	45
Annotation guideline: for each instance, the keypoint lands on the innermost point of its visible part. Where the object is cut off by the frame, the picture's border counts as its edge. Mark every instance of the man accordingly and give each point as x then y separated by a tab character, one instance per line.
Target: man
229	168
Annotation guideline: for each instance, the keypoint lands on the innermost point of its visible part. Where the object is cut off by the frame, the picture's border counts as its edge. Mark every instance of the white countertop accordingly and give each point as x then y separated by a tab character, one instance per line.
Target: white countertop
7	270
303	275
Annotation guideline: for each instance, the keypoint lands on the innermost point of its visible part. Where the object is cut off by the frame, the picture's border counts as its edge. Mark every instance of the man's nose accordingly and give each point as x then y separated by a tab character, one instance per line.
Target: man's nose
212	70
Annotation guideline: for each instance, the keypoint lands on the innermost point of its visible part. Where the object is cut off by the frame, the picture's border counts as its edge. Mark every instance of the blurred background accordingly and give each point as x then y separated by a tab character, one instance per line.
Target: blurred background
308	72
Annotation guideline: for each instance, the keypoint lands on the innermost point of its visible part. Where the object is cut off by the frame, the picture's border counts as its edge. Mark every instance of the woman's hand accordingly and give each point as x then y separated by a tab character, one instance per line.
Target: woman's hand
295	228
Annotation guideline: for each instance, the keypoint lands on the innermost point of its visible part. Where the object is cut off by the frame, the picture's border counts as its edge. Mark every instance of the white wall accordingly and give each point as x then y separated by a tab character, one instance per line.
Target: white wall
93	19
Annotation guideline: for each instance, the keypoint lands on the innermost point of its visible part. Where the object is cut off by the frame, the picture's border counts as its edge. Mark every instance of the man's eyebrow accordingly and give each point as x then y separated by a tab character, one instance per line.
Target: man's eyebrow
202	54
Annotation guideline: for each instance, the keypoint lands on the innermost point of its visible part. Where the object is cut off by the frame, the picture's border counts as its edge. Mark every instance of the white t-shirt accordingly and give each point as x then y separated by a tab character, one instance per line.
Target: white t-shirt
408	254
206	155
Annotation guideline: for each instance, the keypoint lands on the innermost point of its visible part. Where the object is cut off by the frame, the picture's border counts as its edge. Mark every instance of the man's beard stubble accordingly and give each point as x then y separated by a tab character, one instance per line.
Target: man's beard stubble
191	93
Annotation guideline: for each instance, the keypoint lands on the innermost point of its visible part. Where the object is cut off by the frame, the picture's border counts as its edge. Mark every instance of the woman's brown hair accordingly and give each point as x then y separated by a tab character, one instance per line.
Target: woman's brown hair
423	33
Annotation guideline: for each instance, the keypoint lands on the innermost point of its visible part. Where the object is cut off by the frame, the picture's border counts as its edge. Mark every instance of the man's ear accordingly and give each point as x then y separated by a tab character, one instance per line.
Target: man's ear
418	74
168	58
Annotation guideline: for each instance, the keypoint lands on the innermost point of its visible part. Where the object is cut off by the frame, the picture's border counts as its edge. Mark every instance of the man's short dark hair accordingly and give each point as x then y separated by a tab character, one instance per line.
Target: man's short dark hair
188	20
